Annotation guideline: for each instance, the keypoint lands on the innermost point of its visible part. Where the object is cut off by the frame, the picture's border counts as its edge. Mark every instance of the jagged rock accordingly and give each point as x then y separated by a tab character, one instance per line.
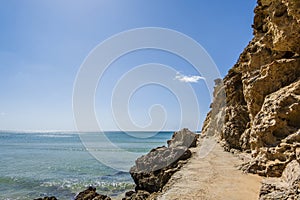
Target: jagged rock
153	170
275	131
262	89
160	158
91	194
183	137
262	93
139	195
287	187
129	194
214	127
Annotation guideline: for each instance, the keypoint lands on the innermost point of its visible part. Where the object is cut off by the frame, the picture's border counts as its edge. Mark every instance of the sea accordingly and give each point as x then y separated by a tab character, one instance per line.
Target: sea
53	163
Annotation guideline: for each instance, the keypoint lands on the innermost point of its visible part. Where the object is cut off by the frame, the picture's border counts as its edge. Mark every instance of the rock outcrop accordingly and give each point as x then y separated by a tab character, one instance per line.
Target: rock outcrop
47	198
153	170
91	194
184	138
287	187
258	102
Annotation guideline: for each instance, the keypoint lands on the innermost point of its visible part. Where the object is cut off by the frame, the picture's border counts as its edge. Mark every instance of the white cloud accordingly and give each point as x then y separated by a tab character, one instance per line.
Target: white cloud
2	114
188	79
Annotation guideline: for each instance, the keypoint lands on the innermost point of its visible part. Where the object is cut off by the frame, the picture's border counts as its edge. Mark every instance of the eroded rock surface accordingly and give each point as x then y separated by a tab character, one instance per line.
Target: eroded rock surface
261	110
287	187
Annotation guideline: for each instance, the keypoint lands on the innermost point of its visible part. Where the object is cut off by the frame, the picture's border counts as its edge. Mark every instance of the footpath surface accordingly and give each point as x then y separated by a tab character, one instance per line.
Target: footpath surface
211	177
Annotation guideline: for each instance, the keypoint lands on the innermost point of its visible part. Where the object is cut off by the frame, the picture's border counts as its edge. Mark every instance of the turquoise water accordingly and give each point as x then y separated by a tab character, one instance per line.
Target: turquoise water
57	163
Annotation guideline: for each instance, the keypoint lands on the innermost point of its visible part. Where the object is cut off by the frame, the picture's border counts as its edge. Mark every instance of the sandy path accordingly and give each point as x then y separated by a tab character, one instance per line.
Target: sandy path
212	177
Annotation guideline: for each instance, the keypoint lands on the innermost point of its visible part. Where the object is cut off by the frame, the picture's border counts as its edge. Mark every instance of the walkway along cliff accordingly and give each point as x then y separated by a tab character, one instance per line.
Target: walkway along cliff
256	111
256	108
262	108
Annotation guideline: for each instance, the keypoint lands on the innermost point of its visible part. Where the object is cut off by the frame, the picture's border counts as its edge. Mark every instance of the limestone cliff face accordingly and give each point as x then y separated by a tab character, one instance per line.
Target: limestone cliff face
260	111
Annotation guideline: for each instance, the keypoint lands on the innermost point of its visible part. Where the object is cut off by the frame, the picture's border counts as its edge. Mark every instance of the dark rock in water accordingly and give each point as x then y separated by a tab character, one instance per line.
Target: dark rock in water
129	193
91	194
47	198
139	195
183	137
153	170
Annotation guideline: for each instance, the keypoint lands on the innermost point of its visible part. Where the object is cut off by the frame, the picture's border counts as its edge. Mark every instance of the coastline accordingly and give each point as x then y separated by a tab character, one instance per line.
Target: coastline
253	127
255	112
57	164
209	173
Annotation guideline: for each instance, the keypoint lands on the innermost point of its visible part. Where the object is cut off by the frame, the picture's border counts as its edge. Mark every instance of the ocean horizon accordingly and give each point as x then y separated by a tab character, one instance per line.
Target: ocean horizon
56	163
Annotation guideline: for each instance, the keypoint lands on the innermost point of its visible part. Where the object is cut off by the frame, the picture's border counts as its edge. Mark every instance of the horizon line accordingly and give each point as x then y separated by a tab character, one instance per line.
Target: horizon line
78	131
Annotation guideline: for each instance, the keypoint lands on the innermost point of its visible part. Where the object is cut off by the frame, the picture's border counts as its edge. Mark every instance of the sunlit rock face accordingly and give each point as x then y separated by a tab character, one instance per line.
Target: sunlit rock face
261	111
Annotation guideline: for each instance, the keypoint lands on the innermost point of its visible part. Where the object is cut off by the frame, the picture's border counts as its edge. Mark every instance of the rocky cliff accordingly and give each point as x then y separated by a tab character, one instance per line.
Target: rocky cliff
256	107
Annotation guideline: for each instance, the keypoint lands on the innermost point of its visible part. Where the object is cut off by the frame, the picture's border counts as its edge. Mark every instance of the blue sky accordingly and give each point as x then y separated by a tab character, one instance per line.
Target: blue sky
43	44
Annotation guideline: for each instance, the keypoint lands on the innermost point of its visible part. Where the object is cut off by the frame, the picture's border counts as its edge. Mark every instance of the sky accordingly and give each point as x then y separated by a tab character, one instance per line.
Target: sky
43	44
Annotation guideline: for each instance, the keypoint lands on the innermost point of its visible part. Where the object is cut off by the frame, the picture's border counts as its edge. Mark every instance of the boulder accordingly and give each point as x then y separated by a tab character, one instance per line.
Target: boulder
184	137
153	170
138	195
91	194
